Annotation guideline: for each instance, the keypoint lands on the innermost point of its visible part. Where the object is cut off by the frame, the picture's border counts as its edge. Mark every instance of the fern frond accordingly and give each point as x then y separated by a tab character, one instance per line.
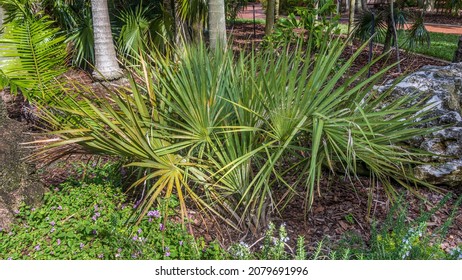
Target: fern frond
33	56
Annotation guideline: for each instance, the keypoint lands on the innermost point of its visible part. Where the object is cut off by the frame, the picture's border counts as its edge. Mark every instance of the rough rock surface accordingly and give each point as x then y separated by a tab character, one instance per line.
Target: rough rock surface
442	86
18	181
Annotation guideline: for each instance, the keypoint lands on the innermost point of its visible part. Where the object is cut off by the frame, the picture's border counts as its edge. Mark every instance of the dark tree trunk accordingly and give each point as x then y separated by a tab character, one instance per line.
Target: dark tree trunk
269	16
458	53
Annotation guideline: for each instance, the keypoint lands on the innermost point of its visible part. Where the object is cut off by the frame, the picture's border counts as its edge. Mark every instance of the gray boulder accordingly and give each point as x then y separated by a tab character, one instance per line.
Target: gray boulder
18	180
442	87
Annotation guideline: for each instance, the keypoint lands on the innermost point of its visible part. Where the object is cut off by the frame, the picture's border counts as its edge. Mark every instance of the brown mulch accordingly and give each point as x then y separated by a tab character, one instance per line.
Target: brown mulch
443	19
341	208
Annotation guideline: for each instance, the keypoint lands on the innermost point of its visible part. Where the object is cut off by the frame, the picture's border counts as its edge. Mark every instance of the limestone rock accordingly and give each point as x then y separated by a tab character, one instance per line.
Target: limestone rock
441	87
18	181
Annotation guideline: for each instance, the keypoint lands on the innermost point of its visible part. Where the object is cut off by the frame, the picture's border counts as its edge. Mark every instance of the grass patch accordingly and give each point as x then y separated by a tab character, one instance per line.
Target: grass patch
442	46
247	21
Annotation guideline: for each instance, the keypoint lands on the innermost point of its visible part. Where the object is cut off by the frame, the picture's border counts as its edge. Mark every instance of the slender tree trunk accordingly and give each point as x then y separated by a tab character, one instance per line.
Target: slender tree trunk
351	15
106	65
358	6
276	9
458	53
364	5
395	33
269	17
2	15
217	23
388	37
179	32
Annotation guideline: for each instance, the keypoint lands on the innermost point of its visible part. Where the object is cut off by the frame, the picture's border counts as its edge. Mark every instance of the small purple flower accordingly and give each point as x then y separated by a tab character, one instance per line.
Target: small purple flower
135	237
119	250
82	245
37	248
150	219
60	208
58	241
52	229
97	214
94	232
136	204
56	189
10	258
139	231
181	242
167	251
96	207
16	212
161	227
155	214
33	209
52	223
100	256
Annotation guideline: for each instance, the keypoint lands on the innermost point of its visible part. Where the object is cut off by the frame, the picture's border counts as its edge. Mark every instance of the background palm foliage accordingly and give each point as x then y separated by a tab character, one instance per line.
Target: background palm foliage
157	24
33	53
241	136
379	22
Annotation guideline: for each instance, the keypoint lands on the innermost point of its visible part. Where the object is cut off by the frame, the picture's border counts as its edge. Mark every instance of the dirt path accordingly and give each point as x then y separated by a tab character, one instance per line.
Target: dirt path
248	13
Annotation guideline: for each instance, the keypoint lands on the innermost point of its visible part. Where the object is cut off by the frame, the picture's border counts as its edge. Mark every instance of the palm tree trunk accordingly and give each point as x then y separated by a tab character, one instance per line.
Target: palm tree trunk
351	15
269	17
458	53
277	5
395	34
2	14
217	23
106	65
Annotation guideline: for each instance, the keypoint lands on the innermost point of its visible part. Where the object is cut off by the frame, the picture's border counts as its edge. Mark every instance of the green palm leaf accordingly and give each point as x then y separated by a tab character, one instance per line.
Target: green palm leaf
33	55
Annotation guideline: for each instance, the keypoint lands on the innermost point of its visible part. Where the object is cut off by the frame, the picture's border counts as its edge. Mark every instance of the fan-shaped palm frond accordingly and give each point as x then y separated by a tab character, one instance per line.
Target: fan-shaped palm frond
418	34
135	33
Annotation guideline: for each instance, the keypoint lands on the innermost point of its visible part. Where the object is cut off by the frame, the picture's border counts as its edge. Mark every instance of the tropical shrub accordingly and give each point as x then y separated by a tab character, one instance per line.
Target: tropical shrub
309	22
378	23
240	136
233	7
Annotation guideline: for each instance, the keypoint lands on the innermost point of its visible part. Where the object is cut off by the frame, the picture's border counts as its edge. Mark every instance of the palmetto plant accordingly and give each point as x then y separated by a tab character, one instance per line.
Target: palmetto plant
378	22
241	136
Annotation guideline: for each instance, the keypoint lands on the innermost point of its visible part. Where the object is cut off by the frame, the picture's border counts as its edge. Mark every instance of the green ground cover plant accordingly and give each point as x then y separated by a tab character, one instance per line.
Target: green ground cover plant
90	219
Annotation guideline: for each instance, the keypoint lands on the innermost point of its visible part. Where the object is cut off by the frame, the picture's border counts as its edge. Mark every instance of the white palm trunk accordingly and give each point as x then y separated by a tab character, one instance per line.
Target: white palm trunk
217	23
106	65
1	16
